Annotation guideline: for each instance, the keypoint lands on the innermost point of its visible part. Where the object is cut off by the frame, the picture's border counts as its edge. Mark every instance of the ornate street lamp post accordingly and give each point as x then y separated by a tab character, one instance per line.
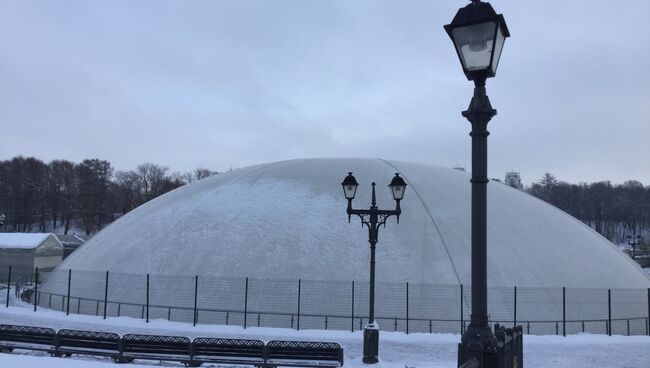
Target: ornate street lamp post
478	34
373	218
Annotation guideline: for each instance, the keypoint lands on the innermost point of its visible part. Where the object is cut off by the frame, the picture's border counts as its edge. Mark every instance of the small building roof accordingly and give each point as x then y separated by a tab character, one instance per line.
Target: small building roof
22	240
70	240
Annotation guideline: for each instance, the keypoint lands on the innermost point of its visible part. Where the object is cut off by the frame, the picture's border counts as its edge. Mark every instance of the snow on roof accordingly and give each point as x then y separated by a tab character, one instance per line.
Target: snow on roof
69	239
22	240
287	220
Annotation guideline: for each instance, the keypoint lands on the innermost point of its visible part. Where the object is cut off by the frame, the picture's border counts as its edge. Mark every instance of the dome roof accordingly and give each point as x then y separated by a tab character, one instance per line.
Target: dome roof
287	220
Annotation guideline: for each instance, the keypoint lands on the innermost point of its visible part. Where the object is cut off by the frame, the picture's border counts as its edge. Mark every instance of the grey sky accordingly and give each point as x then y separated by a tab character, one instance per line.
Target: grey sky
234	83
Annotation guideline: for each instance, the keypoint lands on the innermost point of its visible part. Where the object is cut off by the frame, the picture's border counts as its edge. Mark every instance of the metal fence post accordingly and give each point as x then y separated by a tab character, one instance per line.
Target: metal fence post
514	317
648	320
609	311
462	318
196	298
35	288
106	295
352	315
67	309
147	298
407	308
298	321
564	311
246	303
8	285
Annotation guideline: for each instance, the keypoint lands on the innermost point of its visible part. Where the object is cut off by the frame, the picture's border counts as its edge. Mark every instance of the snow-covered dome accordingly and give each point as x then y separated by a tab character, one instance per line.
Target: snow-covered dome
287	220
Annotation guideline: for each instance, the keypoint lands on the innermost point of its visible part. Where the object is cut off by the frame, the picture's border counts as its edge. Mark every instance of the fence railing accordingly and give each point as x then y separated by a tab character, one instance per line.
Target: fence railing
309	304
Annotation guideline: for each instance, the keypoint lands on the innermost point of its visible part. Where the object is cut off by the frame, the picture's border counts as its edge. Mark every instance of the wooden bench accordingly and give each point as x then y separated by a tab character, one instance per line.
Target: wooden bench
154	347
227	351
304	354
88	343
28	337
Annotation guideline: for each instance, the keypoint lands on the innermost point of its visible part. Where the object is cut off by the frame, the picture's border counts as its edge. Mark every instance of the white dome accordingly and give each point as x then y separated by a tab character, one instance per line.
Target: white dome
287	220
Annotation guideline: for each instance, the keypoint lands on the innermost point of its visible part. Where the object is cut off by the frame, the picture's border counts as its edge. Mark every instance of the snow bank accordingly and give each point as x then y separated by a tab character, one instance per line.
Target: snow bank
397	350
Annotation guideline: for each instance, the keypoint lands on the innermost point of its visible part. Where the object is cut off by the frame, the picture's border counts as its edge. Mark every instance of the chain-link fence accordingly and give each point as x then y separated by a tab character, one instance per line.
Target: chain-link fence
339	305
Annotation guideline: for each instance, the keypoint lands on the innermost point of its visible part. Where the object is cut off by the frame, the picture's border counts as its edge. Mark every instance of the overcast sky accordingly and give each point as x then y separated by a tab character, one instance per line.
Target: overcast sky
225	84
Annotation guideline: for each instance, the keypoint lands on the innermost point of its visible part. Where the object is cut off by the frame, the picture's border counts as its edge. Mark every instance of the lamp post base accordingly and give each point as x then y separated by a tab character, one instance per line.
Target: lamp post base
371	344
478	343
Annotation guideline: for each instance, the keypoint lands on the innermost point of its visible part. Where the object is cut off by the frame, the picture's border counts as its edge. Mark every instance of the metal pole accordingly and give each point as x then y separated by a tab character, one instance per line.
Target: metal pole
407	308
67	310
478	333
8	286
515	311
35	288
246	303
352	314
609	311
479	318
462	317
147	298
648	312
106	295
298	322
371	332
196	297
563	311
371	306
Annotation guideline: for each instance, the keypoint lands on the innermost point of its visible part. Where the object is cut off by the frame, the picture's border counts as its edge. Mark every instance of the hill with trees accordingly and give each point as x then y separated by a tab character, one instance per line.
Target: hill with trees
614	210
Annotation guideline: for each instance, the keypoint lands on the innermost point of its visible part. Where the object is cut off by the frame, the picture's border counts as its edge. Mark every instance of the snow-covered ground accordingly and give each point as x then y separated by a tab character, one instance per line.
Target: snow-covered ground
397	350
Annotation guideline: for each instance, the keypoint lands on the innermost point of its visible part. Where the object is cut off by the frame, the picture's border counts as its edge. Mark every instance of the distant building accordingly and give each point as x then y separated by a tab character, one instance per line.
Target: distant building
514	180
27	251
70	243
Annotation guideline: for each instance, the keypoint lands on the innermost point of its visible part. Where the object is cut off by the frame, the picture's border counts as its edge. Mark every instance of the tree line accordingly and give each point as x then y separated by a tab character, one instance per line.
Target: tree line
62	195
614	210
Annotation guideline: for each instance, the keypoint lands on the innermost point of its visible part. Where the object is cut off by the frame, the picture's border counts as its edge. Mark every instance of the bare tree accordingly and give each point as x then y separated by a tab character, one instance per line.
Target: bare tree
201	173
128	190
94	181
62	192
152	177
